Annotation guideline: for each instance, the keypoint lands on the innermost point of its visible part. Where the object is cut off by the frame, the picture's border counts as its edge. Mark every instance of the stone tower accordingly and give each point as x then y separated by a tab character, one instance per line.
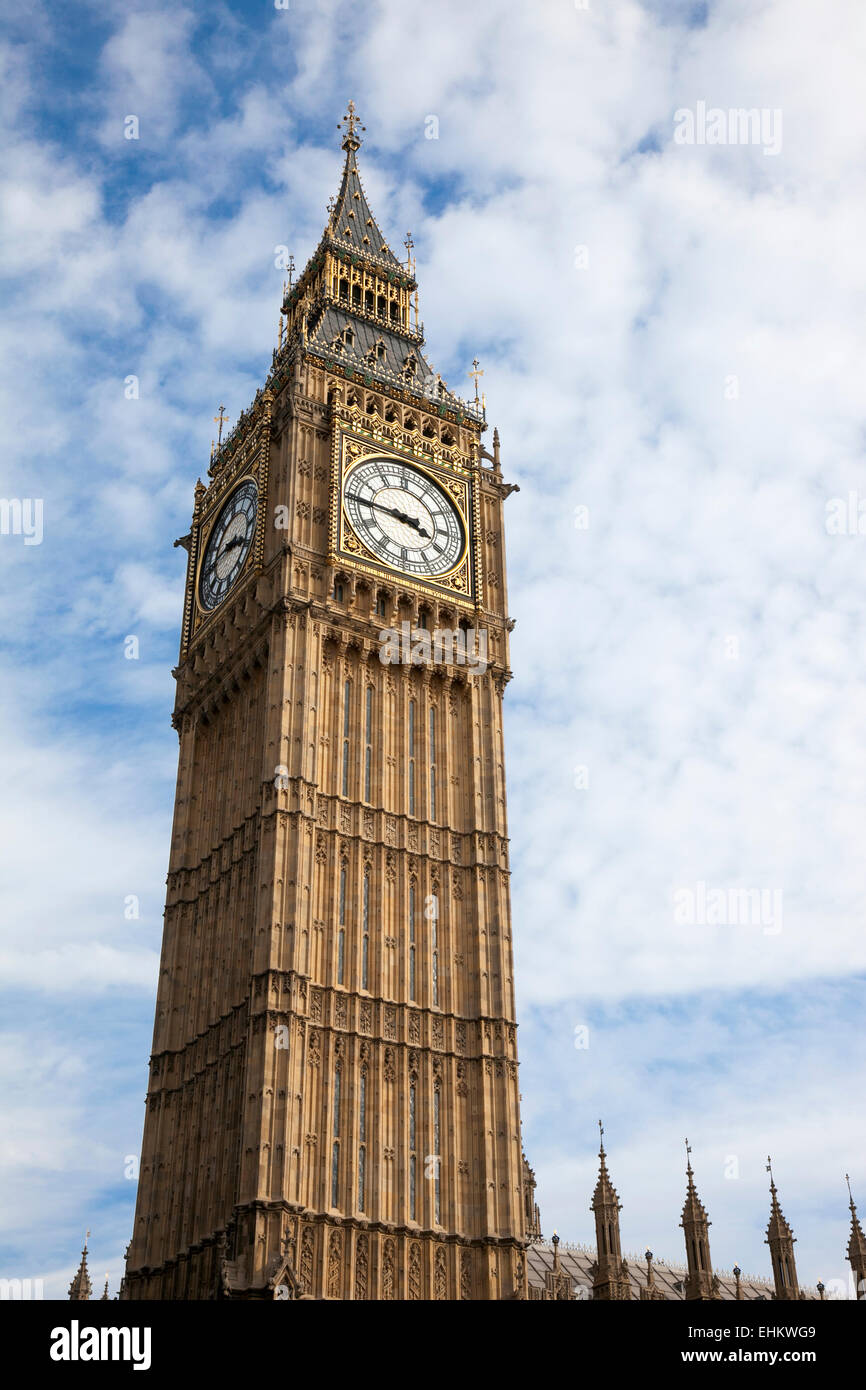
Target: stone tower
780	1239
332	1108
701	1283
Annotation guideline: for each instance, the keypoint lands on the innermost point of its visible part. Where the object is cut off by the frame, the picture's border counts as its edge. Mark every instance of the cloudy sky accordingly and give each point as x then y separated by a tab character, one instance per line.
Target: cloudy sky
671	334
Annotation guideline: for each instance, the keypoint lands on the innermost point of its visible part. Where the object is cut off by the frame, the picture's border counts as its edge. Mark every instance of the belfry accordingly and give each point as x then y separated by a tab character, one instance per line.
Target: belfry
332	1108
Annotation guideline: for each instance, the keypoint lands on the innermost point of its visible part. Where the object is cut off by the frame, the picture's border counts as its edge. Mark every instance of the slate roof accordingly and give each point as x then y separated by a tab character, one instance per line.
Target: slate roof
352	224
326	336
576	1261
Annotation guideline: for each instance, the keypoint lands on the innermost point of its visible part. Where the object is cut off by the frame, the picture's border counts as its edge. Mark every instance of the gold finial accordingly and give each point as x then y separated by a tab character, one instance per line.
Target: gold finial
409	243
350	140
475	374
291	270
221	420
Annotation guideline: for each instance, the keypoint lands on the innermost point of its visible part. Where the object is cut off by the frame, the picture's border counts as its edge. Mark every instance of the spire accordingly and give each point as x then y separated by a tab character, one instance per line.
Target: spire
351	223
701	1283
856	1251
610	1271
605	1193
354	307
780	1239
105	1291
81	1287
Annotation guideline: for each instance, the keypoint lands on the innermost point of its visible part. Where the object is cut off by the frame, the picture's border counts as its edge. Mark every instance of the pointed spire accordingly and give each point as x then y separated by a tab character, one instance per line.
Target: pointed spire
605	1194
780	1239
105	1297
81	1287
856	1251
610	1271
351	223
700	1282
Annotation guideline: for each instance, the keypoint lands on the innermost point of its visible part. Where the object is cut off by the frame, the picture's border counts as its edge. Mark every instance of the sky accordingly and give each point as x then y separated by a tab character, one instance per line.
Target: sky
668	305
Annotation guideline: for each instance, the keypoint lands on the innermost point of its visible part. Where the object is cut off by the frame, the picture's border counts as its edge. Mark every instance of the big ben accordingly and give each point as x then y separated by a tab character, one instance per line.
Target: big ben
332	1107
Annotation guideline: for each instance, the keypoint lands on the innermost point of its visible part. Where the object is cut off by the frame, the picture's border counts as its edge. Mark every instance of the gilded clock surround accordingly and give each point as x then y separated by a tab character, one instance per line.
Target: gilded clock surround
207	527
355	446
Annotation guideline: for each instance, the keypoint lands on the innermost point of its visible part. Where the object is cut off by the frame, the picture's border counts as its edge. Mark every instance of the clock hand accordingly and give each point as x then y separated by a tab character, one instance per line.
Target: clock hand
391	511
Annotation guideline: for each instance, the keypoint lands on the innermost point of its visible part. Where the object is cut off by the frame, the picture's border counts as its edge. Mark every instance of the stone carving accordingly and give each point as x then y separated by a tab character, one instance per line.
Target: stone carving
440	1277
362	1261
388	1261
414	1272
335	1265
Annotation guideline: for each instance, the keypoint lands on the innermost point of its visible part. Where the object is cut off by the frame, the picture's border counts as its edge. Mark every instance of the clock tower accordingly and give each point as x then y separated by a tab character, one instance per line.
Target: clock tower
332	1108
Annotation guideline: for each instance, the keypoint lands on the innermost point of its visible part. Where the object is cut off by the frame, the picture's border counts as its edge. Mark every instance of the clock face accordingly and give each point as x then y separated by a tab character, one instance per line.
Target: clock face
403	517
228	545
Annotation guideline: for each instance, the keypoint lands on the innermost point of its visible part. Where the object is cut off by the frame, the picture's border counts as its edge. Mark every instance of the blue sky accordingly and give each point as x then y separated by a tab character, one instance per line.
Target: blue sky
672	339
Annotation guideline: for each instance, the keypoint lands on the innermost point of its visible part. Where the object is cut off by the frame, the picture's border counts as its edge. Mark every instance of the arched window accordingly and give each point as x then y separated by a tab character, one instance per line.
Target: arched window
413	1185
335	1148
365	938
412	941
362	1137
437	1210
341	934
347	694
411	757
368	743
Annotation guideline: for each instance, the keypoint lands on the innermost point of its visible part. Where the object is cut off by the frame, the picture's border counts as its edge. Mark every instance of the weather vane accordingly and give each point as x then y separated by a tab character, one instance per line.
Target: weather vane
220	419
475	374
350	121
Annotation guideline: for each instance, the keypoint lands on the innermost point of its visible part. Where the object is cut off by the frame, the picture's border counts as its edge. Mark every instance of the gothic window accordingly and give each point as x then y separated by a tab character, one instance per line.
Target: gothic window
413	1160
434	957
347	693
437	1098
410	366
335	1148
380	306
338	591
362	1178
368	301
349	337
395	312
365	940
335	1172
432	763
447	437
382	603
356	295
412	940
341	934
368	743
411	757
344	290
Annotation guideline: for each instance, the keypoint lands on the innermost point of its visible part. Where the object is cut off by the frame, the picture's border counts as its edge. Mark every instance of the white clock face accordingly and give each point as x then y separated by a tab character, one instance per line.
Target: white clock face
403	517
228	545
